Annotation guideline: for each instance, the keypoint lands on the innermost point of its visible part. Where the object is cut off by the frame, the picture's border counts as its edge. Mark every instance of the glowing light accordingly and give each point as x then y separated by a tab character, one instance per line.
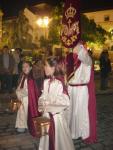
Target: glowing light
12	50
43	22
46	21
39	22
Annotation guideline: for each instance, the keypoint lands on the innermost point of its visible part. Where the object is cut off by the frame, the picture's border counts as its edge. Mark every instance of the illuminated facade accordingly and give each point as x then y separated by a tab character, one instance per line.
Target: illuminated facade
39	16
37	21
103	18
1	14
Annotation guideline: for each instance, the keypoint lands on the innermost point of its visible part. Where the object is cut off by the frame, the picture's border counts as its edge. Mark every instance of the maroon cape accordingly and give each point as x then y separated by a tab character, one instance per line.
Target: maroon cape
33	95
69	64
92	110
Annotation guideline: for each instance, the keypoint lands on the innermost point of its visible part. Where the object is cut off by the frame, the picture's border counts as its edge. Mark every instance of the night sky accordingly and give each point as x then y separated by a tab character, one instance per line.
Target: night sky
12	7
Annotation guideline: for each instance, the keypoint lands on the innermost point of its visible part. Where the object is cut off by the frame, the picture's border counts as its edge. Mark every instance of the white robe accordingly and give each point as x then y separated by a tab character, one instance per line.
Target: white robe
22	114
78	111
56	102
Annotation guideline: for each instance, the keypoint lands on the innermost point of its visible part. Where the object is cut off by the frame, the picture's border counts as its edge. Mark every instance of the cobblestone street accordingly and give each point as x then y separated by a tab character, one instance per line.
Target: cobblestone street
10	140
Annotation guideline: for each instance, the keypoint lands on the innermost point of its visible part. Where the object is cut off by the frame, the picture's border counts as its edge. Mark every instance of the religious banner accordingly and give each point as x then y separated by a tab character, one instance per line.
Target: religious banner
70	31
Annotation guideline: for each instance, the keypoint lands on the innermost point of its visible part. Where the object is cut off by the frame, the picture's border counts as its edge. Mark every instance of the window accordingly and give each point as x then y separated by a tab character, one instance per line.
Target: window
106	18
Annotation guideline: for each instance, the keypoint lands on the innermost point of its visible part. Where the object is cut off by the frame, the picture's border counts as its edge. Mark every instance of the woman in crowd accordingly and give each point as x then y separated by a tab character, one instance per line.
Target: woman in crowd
27	93
54	103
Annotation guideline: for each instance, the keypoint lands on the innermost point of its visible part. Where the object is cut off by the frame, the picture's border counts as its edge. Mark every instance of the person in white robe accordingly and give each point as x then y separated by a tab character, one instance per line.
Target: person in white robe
78	92
22	114
28	93
55	101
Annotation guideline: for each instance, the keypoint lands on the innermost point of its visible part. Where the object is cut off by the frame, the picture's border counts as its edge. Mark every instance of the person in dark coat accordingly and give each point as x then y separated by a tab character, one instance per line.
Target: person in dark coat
105	69
6	69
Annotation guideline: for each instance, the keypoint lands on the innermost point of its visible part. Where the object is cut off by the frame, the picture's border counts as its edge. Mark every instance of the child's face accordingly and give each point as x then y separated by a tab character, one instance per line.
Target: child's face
49	71
26	68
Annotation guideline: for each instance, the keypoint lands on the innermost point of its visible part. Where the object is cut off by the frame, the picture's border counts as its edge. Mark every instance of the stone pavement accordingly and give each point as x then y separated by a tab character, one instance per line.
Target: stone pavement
10	140
97	84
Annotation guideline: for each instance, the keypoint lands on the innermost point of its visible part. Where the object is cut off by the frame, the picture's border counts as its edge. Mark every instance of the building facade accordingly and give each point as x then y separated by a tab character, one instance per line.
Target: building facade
27	21
1	15
36	14
103	18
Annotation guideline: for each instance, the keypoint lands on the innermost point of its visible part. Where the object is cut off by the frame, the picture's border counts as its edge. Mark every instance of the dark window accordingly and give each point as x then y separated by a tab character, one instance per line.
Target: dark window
106	18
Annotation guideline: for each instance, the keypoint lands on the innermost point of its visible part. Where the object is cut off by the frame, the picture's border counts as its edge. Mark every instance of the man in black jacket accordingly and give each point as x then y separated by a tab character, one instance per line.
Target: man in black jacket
6	69
105	69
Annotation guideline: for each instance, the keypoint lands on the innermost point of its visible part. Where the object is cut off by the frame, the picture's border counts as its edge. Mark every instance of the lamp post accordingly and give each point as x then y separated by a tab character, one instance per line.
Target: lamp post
43	23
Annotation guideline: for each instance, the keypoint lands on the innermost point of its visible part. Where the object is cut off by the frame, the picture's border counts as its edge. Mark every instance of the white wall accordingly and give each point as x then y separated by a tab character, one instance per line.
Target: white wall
37	31
99	16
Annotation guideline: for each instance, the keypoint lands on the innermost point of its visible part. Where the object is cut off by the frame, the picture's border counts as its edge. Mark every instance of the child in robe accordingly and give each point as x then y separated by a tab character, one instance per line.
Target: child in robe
28	94
54	103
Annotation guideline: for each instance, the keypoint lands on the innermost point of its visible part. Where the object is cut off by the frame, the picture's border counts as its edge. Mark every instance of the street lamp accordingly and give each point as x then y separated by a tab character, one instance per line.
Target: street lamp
46	21
39	22
112	32
43	22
